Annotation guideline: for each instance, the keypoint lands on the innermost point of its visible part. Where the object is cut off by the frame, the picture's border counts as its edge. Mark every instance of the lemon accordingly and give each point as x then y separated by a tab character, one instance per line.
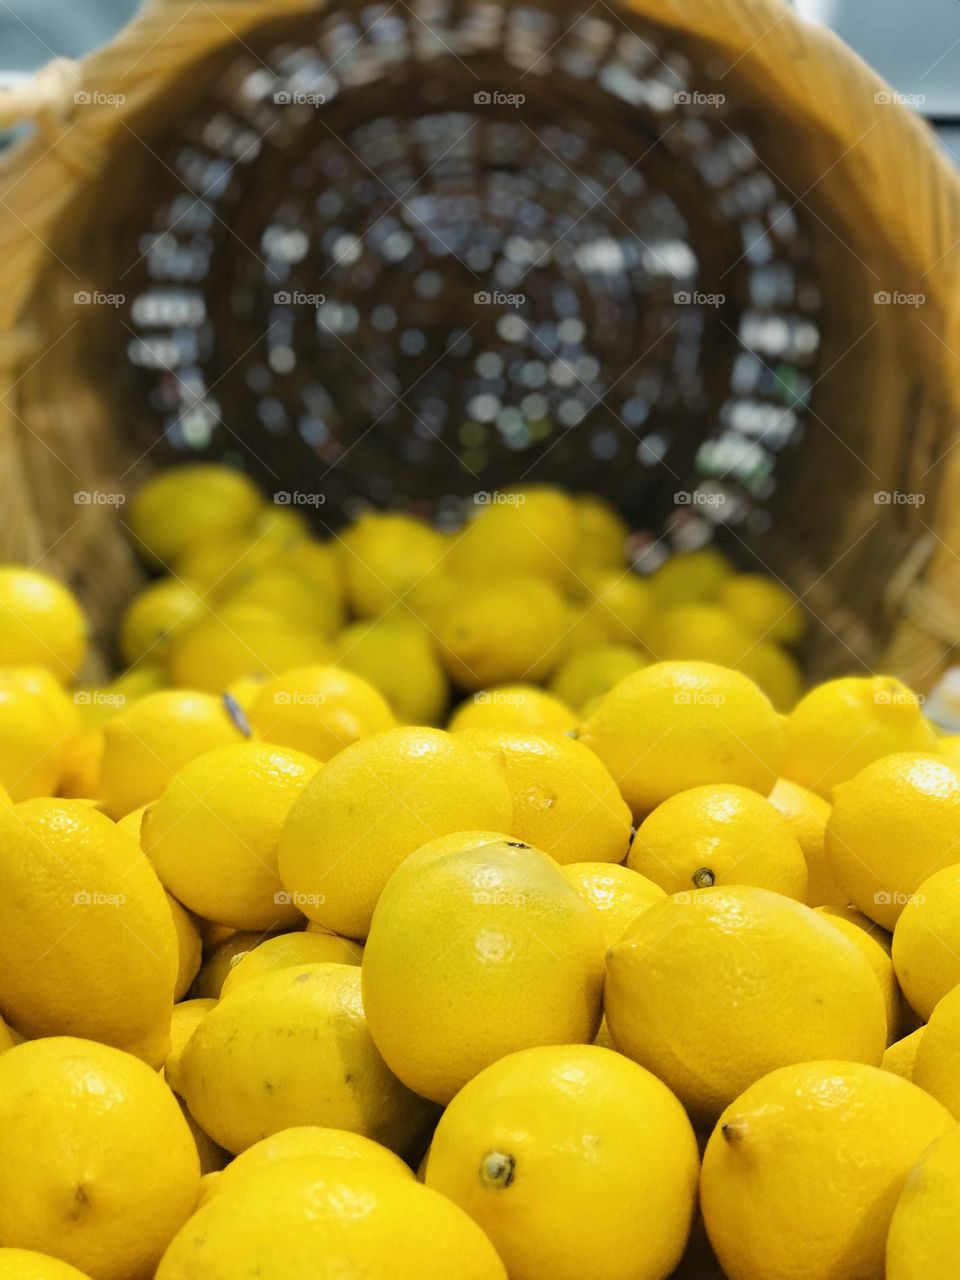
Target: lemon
215	567
926	941
87	941
841	726
80	767
601	533
290	951
891	827
936	1067
155	737
400	662
676	725
690	577
922	1241
318	710
902	1054
286	592
801	1175
713	988
564	800
307	1140
242	640
574	1161
474	955
8	1038
318	563
229	803
586	628
187	506
501	631
290	1048
719	835
616	893
324	1217
455	842
34	747
189	947
374	803
41	623
514	706
42	684
533	531
155	615
212	1158
621	602
218	963
700	633
187	1016
764	606
25	1264
875	947
96	1161
383	555
242	693
593	671
806	814
775	671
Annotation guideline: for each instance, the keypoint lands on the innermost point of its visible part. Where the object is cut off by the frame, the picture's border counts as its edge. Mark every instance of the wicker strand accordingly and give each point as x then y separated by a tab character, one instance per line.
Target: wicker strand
49	92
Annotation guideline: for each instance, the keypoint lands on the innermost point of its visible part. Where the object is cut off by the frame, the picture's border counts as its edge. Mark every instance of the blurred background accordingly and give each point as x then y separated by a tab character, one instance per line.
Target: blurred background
915	44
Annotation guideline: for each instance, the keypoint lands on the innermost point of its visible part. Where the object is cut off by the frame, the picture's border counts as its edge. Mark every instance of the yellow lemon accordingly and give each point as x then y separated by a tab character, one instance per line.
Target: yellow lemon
220	960
764	606
922	1241
891	827
80	770
184	507
455	842
325	1217
231	803
318	710
215	567
286	592
601	533
155	616
242	640
514	706
719	835
96	1161
189	947
676	725
564	799
841	726
383	555
532	531
775	671
318	564
42	684
155	737
307	1140
936	1067
374	803
806	814
290	951
902	1054
502	630
622	603
690	577
713	988
926	941
801	1175
8	1038
131	823
875	946
187	1016
243	692
617	894
41	623
586	629
289	1048
25	1264
33	745
87	941
593	671
574	1161
212	1158
400	662
699	633
473	956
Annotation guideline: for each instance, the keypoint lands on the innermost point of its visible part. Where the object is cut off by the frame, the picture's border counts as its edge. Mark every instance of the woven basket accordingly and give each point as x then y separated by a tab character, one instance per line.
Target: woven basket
403	251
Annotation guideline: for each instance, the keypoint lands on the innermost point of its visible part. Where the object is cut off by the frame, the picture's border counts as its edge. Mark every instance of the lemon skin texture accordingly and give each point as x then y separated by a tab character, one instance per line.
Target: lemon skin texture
370	806
712	989
475	955
802	1173
922	1243
926	941
328	1219
574	1161
292	1048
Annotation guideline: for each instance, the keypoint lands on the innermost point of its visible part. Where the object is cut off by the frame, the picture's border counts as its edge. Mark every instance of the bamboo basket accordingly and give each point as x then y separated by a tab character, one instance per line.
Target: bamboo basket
693	255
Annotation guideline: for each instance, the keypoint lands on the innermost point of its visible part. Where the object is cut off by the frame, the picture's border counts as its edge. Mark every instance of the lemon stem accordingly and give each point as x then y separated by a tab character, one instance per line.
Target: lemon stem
497	1170
703	878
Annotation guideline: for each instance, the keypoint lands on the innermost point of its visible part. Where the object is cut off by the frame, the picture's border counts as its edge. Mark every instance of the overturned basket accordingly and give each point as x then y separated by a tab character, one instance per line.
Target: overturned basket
695	257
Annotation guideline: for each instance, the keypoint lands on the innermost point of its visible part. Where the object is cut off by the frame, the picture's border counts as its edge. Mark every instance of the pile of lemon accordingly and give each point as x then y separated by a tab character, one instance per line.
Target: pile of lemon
423	905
